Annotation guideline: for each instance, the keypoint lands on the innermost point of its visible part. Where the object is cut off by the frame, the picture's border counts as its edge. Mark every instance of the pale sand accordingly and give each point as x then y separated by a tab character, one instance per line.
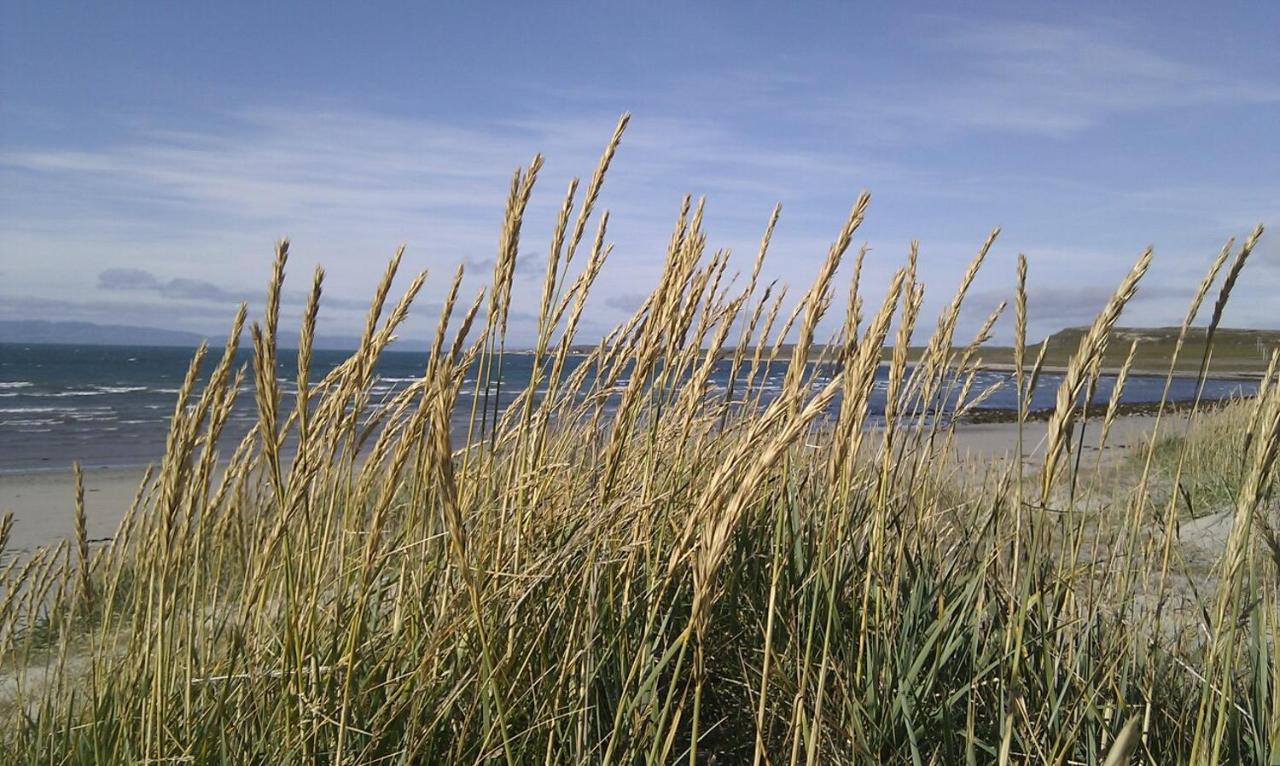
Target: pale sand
43	503
988	441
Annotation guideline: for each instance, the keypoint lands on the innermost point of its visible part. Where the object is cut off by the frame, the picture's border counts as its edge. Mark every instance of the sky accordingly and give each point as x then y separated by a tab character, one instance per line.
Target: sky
151	154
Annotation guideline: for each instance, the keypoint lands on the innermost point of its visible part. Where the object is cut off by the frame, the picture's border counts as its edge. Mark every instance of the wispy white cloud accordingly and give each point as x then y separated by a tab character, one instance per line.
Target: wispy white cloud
196	208
207	205
1043	79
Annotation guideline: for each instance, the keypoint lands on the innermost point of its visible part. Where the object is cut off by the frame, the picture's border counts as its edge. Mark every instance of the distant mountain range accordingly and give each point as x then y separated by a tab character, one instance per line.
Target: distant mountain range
92	334
89	333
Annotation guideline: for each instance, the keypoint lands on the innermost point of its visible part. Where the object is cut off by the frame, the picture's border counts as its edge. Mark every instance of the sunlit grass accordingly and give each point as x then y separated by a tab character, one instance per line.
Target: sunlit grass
628	565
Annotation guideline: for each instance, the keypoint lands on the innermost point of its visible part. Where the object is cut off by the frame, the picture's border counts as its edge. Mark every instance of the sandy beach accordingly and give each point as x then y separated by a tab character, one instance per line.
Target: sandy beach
43	503
996	440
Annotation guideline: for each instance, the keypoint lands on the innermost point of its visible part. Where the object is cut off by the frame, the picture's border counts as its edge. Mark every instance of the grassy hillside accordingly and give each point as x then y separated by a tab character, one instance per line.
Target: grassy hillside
1234	350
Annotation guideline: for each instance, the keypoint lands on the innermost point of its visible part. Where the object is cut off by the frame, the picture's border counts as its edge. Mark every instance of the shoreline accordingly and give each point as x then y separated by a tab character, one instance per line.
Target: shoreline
985	415
43	499
45	470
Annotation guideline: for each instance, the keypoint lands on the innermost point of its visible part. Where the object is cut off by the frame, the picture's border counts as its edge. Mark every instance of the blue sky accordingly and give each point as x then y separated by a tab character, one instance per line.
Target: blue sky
150	154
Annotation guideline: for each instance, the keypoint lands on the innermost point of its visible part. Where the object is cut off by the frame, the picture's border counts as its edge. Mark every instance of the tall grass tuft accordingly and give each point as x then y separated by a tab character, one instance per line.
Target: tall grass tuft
627	565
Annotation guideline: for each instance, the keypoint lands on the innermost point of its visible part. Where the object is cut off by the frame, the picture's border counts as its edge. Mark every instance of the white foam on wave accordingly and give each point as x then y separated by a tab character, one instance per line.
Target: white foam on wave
16	384
27	422
95	391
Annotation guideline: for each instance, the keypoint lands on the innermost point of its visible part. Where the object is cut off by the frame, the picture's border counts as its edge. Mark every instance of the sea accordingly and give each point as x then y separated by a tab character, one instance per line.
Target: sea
110	406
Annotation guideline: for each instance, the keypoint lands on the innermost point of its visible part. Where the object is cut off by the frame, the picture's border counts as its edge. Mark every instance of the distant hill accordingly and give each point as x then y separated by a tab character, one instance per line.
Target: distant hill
1235	351
88	333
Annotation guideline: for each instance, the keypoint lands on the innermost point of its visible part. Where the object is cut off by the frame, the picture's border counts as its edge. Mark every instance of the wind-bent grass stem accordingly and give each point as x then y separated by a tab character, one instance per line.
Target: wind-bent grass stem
627	565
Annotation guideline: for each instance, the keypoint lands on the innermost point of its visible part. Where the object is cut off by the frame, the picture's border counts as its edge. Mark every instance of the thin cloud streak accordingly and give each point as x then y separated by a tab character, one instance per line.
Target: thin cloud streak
170	212
1038	79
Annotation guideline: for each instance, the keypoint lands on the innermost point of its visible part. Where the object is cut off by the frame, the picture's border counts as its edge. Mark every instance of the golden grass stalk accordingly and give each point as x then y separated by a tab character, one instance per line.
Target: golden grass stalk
1092	345
608	561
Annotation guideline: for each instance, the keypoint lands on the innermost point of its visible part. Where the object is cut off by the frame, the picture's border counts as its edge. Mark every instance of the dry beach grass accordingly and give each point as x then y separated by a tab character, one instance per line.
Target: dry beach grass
627	566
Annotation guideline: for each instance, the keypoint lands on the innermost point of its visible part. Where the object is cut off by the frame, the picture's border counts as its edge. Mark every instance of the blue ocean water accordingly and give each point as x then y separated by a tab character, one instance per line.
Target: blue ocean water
111	405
